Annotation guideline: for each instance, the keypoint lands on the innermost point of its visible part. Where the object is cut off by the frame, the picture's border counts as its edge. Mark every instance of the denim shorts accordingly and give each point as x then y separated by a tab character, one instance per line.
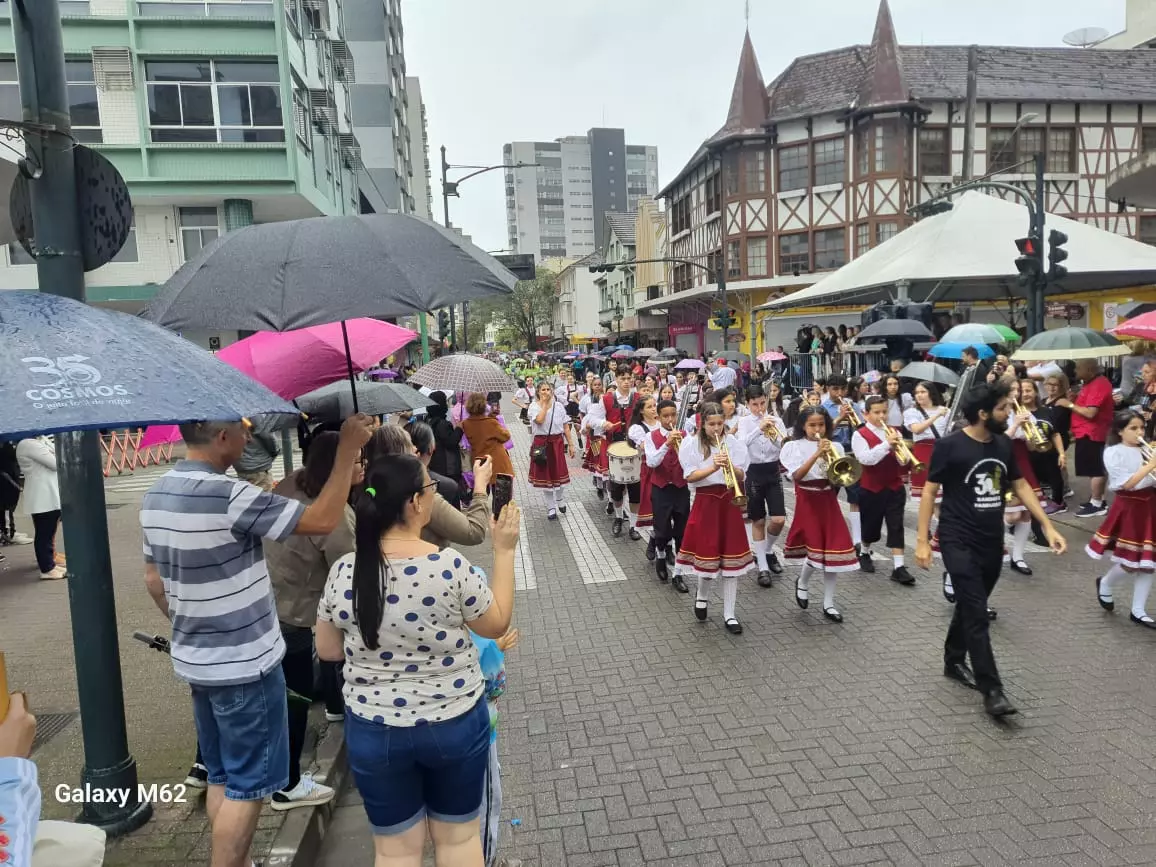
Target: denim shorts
243	732
405	773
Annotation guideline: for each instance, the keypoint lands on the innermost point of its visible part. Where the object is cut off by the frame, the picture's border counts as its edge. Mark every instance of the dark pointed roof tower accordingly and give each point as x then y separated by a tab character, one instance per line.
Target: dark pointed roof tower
884	84
748	109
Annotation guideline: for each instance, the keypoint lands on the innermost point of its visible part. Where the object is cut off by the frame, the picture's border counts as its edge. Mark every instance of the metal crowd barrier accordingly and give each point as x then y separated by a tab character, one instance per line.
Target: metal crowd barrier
123	454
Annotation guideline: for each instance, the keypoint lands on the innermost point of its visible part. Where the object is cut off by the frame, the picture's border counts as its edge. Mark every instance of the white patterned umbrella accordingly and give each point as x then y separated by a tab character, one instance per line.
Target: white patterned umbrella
463	372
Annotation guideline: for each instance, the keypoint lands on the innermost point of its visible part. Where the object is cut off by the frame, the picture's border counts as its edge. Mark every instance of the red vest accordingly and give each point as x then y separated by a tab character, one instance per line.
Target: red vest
669	472
617	415
885	475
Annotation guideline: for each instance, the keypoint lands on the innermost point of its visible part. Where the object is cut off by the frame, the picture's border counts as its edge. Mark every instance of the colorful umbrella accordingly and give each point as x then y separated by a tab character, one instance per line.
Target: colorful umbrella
1070	344
1010	335
768	357
620	354
690	364
974	333
955	350
1142	327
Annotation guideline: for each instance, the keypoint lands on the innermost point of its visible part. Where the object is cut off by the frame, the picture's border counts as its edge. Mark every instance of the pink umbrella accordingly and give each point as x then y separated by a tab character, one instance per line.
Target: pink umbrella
1142	327
768	357
293	363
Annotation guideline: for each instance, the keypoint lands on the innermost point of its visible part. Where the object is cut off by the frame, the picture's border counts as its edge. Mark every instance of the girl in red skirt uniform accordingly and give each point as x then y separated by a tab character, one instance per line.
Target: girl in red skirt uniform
1128	533
1015	514
548	424
715	542
819	537
927	422
594	458
642	423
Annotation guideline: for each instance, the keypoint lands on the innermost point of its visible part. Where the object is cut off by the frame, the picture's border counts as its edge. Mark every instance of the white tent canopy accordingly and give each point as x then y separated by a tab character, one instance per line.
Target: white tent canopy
969	253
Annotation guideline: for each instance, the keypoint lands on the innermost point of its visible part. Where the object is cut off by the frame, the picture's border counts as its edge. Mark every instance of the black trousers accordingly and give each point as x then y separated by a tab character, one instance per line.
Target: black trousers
879	507
671	509
44	541
974	571
1046	466
635	489
298	669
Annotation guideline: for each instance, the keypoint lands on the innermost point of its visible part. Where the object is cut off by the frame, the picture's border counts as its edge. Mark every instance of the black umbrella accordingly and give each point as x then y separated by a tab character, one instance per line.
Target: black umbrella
336	401
296	273
912	329
929	371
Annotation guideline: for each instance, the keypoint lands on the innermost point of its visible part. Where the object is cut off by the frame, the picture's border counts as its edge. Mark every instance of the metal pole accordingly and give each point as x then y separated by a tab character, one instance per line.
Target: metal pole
465	326
1036	302
108	765
287	451
446	223
423	329
969	115
349	367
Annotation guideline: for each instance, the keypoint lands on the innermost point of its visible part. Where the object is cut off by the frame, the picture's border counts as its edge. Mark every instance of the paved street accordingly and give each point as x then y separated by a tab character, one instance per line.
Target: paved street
632	734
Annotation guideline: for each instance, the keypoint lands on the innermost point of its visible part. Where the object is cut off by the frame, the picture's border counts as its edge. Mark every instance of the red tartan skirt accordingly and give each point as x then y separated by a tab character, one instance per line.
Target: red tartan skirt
715	542
645	507
599	463
1129	531
819	534
1023	459
554	473
922	451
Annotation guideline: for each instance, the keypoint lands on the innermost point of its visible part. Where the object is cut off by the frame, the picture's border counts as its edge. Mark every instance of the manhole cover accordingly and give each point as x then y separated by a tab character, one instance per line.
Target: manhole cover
49	725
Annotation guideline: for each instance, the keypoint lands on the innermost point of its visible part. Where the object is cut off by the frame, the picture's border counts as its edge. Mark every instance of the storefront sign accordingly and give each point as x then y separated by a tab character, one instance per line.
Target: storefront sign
1057	310
684	329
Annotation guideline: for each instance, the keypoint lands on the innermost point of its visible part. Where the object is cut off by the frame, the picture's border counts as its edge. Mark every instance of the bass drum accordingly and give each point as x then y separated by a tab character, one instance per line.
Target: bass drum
625	464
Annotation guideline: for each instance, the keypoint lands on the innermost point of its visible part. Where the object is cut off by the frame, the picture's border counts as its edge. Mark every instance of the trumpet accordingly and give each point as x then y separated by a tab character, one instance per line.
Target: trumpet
770	429
1037	440
729	478
852	416
841	471
1147	452
903	453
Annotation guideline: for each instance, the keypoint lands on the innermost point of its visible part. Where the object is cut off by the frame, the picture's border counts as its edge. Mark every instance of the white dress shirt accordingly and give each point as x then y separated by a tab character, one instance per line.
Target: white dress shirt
797	452
638	433
655	455
1122	462
761	448
914	416
690	456
554	422
867	455
723	377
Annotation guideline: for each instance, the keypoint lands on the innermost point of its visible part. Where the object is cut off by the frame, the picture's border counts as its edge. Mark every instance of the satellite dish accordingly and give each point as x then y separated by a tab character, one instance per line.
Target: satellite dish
1085	37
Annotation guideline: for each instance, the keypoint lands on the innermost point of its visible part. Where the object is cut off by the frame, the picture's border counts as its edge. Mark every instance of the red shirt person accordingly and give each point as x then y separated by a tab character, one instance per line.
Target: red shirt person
1091	420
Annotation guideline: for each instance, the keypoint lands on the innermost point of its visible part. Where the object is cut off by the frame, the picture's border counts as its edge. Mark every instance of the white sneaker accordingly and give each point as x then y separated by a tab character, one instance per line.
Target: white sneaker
56	574
307	793
20	539
198	777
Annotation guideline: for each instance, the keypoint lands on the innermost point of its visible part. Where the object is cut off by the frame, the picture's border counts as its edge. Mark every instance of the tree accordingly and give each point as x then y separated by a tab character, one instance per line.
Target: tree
531	306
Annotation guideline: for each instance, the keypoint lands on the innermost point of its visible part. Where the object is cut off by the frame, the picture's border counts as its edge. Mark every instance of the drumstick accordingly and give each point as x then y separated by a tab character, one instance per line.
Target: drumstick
3	690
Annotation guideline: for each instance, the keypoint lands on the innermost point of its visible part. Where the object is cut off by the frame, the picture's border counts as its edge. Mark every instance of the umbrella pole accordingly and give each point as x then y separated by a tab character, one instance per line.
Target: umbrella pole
349	365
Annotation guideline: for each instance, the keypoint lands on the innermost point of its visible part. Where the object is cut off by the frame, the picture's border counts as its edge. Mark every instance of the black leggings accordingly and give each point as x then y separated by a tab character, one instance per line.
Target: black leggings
44	542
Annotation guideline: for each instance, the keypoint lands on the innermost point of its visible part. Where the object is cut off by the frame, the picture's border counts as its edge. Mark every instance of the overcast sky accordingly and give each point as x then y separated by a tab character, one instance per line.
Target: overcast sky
535	70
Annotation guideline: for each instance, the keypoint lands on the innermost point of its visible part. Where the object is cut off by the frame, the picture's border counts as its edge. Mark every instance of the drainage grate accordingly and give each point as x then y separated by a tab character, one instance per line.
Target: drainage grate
49	725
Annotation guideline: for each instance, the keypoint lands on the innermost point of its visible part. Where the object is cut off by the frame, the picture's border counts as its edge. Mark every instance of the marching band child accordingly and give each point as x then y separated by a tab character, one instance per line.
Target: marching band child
610	417
882	494
522	399
553	441
595	444
819	537
763	434
668	491
927	421
642	423
1128	533
715	542
1015	513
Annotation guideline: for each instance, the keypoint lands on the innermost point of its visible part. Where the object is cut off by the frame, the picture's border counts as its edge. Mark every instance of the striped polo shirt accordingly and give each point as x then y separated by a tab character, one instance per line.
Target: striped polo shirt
203	531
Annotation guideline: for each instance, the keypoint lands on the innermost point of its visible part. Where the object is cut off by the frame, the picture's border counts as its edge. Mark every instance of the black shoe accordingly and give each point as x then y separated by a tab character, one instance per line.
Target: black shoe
609	507
1106	604
992	614
552	515
617	529
949	595
866	564
651	550
997	705
661	570
670	554
700	610
198	777
960	672
1021	567
802	600
562	508
1040	540
635	536
1144	621
774	564
734	627
765	579
833	614
678	584
600	492
900	575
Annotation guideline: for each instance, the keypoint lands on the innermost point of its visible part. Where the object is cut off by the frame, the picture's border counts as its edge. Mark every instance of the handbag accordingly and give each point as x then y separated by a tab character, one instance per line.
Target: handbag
538	453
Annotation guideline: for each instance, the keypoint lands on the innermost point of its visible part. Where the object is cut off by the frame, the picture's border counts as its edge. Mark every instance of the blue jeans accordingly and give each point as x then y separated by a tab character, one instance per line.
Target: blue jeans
243	736
405	773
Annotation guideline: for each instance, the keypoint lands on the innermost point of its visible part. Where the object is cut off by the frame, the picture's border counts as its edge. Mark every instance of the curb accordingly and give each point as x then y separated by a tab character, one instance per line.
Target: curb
298	842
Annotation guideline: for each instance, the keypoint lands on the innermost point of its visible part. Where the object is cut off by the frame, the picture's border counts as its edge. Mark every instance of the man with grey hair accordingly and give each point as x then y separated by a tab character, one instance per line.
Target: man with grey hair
205	569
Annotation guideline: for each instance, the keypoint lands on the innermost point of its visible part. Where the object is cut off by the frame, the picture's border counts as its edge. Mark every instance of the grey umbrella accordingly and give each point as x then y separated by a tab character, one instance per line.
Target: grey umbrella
912	329
928	371
335	401
463	372
297	273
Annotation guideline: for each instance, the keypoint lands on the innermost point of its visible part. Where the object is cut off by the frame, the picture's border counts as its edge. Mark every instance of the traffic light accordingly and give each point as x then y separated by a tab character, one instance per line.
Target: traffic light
443	323
595	269
1056	255
1030	262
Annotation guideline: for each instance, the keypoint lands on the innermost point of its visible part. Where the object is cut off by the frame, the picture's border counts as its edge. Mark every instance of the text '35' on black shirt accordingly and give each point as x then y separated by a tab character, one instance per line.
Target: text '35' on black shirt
973	476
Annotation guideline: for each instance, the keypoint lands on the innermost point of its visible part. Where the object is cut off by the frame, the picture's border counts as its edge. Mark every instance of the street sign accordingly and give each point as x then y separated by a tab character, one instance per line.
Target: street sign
1059	310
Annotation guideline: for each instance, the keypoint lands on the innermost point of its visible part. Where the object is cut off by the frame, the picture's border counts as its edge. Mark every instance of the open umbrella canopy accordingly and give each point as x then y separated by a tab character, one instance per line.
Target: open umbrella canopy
731	355
68	366
292	363
335	401
963	255
974	333
927	371
912	329
620	354
624	347
1070	344
296	273
1010	335
463	372
955	350
646	352
771	355
690	364
1142	327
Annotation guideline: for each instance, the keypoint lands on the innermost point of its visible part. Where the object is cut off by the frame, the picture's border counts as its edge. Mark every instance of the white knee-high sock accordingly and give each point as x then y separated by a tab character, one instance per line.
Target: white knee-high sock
856	528
829	589
1140	593
560	495
805	576
1020	540
730	595
771	541
632	516
760	548
703	592
750	528
1114	574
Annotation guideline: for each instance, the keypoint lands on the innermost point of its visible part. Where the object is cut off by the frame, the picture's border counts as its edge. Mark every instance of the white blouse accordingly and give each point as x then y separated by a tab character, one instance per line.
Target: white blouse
1121	463
554	422
639	432
760	447
896	407
914	416
798	452
1014	428
690	456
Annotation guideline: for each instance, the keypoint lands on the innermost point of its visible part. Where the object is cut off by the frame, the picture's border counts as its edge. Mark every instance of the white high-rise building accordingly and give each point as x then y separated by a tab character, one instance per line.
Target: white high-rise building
558	207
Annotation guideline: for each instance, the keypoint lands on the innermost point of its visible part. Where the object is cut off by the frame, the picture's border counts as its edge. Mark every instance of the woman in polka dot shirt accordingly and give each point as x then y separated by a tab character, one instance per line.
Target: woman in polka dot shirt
416	723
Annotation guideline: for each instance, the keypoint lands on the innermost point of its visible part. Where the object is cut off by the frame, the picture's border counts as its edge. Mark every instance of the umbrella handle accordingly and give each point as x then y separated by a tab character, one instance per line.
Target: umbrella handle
349	366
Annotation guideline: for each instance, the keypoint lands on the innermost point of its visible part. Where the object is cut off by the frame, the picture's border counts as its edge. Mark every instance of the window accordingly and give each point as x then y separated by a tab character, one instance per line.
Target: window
17	255
1145	230
830	162
862	152
734	259
862	238
198	227
794	253
756	171
1061	151
731	174
830	249
888	146
793	171
82	99
262	9
885	231
1007	148
304	129
128	253
1148	139
214	100
756	257
934	151
712	194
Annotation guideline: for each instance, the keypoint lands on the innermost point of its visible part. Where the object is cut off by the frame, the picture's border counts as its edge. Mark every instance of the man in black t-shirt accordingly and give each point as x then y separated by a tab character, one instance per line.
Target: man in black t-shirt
975	467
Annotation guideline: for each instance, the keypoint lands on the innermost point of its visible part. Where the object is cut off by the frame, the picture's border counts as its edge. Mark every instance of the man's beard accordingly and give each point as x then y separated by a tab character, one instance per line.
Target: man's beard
995	426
